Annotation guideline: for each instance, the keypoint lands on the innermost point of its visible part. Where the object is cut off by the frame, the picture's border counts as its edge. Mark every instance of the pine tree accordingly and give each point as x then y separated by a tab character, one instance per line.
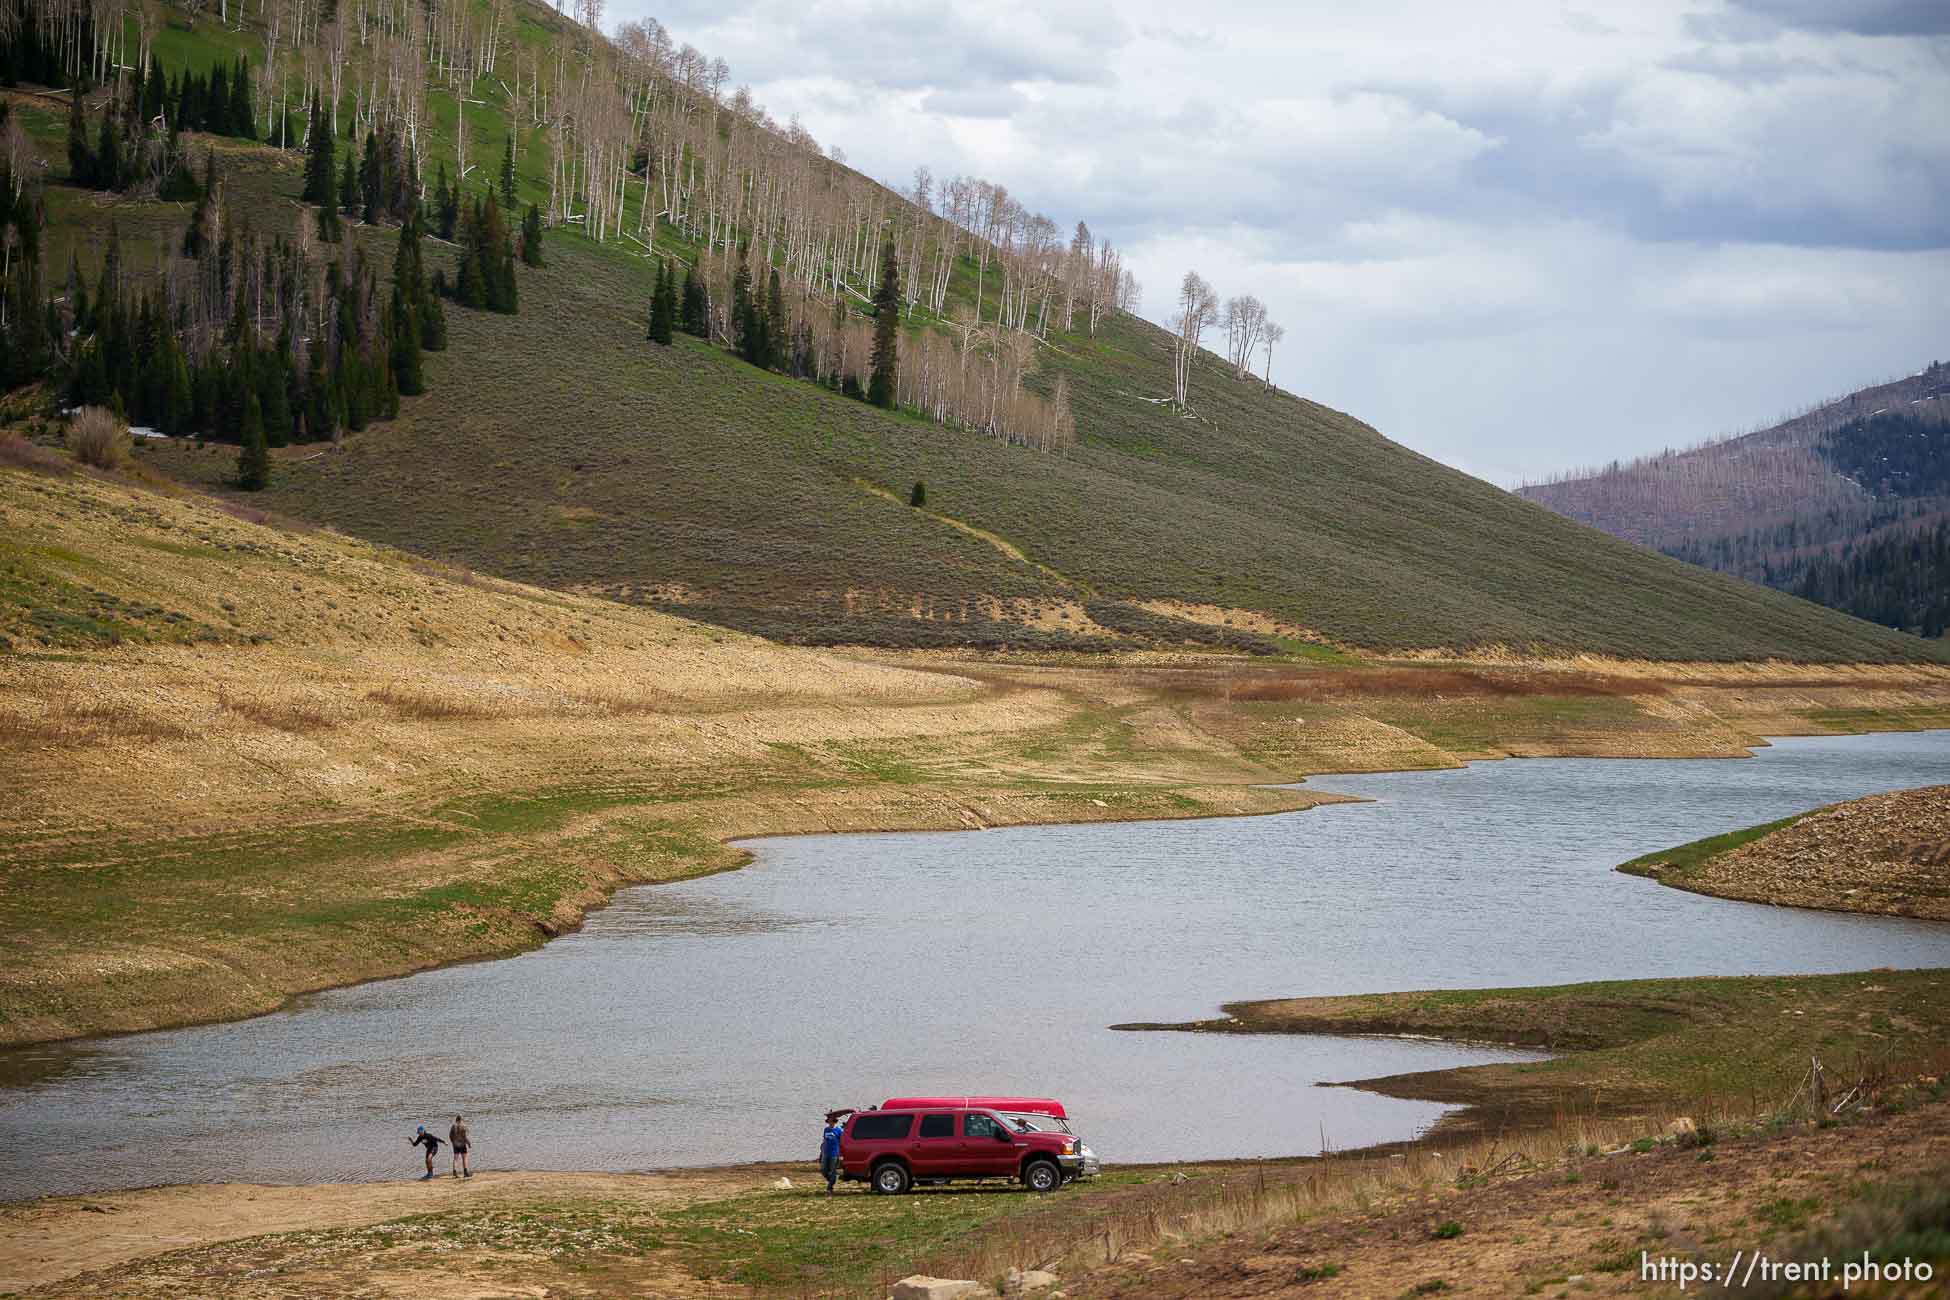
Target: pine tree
447	200
409	292
253	457
777	343
321	162
741	310
886	327
239	115
196	236
433	323
372	181
501	285
349	187
404	352
663	306
919	496
108	152
531	236
330	230
273	386
155	93
81	159
213	103
508	175
694	314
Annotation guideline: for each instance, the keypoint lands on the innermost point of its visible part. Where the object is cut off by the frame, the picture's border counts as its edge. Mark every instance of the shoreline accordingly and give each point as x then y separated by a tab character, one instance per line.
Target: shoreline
570	920
1885	854
50	1240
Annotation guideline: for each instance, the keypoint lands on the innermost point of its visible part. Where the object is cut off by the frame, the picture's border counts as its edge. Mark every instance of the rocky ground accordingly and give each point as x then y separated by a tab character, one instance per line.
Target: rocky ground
1888	854
1589	1224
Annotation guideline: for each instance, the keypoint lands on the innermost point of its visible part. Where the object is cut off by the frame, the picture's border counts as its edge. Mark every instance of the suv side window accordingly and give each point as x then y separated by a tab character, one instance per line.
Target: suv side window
981	1126
937	1126
871	1128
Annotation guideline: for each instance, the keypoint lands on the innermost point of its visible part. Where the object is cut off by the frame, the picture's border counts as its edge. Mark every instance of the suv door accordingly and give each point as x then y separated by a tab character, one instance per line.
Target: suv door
988	1147
936	1150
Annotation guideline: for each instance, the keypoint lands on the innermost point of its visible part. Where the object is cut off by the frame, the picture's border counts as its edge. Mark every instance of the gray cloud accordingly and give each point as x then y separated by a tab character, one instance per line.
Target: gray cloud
976	101
1862	17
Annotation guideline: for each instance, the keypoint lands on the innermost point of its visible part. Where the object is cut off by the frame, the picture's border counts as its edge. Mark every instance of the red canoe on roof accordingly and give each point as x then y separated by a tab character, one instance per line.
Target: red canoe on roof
1020	1105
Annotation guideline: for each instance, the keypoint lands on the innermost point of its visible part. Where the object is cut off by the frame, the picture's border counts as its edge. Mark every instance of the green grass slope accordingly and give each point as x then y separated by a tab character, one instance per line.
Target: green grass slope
560	447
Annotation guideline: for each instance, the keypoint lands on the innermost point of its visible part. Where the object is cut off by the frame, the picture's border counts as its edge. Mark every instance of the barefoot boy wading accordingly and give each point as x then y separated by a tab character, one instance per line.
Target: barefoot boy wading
457	1139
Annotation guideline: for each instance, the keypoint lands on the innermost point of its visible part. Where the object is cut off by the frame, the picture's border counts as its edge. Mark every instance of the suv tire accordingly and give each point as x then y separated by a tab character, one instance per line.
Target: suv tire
890	1178
1042	1176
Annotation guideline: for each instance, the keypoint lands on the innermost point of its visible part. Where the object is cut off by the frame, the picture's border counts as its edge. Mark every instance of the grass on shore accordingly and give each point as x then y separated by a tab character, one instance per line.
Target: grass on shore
1672	866
1631	1046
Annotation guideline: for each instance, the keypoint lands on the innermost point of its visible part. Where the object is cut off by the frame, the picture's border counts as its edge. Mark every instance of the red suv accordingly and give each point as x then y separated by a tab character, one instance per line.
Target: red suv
911	1140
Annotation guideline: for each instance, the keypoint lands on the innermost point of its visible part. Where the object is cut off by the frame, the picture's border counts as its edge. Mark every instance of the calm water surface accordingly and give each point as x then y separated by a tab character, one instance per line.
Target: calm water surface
713	1021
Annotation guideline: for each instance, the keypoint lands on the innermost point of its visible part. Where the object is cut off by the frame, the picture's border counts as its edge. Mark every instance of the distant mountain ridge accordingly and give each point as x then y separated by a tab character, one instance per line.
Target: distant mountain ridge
1847	503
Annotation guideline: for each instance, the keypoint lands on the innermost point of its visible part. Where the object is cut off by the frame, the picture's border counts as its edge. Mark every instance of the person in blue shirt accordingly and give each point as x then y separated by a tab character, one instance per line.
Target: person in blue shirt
829	1148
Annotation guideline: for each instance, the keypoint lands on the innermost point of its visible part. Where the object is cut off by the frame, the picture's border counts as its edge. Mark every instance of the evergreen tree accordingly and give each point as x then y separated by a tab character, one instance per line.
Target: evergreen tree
886	327
155	94
508	174
404	351
778	345
330	229
196	235
409	291
321	161
213	103
470	288
433	322
177	400
349	188
238	117
108	152
663	306
253	456
501	285
741	310
447	200
695	312
273	391
919	496
81	159
531	236
372	181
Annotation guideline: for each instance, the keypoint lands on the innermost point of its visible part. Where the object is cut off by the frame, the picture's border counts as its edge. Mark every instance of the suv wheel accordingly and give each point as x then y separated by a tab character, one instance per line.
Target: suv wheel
1042	1176
890	1179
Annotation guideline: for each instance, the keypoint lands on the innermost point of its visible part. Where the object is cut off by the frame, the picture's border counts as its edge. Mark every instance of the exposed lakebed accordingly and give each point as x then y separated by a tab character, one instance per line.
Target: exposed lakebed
714	1020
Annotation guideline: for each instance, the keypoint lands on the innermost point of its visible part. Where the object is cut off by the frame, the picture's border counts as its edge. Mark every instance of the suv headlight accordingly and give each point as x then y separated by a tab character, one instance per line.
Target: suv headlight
1069	1148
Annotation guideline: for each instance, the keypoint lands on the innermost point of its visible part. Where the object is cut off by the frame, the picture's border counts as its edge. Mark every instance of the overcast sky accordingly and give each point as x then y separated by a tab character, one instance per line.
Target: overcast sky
1519	236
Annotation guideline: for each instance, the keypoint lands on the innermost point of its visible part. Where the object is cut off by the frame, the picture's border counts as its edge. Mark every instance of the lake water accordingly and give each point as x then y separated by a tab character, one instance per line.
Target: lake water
715	1020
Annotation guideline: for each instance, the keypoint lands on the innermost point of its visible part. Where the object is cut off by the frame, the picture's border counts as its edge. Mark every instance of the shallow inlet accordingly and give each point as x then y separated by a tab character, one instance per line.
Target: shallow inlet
715	1020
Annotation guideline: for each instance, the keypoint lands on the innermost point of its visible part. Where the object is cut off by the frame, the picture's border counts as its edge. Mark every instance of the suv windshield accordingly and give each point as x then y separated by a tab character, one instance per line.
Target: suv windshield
1026	1123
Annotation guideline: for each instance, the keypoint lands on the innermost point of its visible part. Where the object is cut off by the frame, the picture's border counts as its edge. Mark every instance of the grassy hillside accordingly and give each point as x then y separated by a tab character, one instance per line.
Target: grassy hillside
560	448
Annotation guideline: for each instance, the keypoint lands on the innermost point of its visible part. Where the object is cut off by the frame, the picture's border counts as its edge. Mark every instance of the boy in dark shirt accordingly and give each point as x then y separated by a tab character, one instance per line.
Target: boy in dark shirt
431	1143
